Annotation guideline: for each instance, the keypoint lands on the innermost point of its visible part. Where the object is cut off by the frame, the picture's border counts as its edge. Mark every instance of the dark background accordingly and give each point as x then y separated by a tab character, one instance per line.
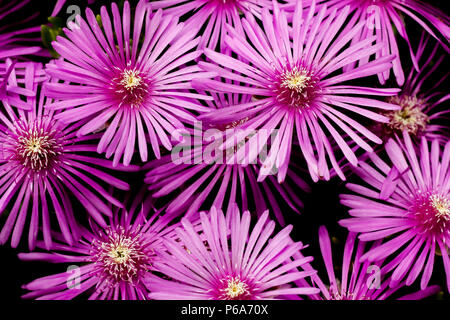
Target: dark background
322	205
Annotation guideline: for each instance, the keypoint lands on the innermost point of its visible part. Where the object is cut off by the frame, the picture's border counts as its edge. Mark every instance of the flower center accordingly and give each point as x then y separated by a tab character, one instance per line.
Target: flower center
410	117
34	145
234	289
432	212
296	81
227	130
296	87
121	256
130	87
131	80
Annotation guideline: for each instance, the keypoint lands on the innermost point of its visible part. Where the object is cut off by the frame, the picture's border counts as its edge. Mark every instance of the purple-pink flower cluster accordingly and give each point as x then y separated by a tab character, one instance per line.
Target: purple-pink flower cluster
157	150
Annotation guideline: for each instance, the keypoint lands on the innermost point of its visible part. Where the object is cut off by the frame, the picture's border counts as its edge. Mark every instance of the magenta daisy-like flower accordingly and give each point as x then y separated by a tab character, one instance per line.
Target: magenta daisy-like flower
298	89
407	205
42	164
15	42
109	262
127	76
384	19
213	16
359	280
423	105
225	261
201	171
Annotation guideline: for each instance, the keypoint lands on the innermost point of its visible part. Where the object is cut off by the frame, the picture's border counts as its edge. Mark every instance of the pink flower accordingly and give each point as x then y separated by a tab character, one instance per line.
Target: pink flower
359	280
131	88
224	260
383	19
407	205
201	175
107	263
42	162
298	89
423	104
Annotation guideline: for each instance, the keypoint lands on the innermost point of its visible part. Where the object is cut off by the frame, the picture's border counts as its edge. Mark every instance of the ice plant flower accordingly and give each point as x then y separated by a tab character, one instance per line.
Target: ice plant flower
359	280
201	168
407	205
42	164
225	261
14	44
212	16
297	86
113	260
423	111
384	19
131	80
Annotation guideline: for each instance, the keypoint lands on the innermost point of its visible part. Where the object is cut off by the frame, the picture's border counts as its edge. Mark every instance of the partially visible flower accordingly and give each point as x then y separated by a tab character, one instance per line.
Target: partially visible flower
211	17
200	173
298	89
15	43
359	281
42	162
130	76
58	6
385	19
107	263
227	261
423	104
408	206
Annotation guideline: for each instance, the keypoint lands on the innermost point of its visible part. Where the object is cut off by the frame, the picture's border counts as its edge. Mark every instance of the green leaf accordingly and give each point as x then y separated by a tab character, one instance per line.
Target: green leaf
99	21
56	22
48	35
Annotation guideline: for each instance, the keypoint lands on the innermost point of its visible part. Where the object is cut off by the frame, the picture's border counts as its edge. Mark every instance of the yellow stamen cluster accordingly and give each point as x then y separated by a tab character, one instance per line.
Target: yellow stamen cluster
130	86
131	79
235	289
36	147
296	79
410	117
121	256
441	206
